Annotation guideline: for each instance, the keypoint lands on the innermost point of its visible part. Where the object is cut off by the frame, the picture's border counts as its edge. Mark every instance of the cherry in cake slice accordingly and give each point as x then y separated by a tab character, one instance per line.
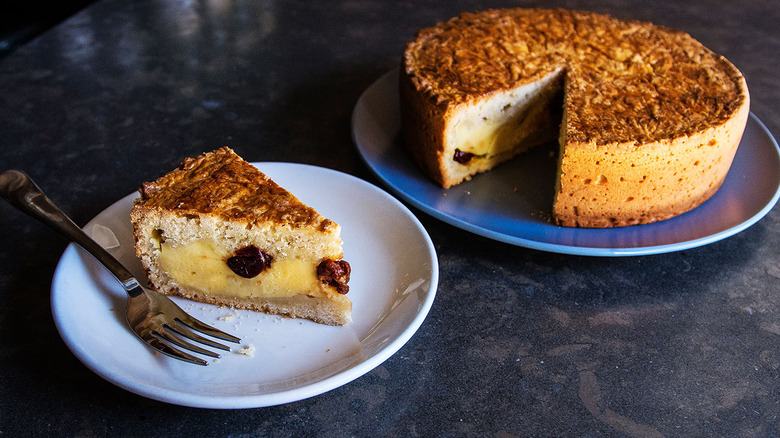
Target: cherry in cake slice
219	231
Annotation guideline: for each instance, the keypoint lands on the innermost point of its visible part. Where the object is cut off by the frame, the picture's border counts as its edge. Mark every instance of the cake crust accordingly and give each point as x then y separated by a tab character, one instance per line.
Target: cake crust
629	80
630	89
221	183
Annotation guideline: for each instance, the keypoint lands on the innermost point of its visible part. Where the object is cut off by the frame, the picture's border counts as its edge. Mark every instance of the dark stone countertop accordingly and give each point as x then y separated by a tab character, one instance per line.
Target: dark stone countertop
518	342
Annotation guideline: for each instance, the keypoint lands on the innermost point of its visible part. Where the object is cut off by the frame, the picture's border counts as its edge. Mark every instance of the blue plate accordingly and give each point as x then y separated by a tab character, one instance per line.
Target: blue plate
512	203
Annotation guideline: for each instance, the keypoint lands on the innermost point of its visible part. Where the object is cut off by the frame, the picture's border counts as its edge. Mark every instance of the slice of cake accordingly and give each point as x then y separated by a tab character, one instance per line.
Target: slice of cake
217	230
647	119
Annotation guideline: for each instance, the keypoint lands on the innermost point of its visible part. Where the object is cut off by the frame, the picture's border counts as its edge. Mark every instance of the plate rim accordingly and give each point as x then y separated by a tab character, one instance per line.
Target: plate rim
313	388
548	246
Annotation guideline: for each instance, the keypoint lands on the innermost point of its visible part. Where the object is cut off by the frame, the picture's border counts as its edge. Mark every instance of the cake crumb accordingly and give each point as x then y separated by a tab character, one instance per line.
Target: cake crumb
249	350
227	317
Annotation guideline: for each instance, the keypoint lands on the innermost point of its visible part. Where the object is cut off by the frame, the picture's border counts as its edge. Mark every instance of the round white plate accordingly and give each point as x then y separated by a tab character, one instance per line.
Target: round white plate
392	287
490	206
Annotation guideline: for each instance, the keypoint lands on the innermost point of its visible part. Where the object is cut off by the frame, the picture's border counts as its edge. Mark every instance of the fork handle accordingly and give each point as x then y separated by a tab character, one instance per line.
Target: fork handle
22	192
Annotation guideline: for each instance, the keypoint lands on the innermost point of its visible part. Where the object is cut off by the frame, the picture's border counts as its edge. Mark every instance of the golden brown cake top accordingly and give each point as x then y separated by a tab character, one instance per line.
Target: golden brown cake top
625	80
222	183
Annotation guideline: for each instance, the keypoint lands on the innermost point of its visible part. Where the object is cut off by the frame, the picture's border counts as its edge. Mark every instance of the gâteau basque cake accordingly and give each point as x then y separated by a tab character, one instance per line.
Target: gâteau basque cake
647	119
217	230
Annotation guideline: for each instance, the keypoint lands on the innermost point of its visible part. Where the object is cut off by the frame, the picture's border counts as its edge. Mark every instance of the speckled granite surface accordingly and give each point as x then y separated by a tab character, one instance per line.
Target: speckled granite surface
518	343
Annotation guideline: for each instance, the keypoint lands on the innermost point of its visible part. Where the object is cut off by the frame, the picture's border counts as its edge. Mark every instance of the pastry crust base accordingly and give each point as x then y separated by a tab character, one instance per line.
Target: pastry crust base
334	310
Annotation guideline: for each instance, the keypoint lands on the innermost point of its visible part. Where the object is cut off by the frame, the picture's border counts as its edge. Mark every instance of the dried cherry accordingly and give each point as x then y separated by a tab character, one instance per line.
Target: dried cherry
249	261
462	157
335	273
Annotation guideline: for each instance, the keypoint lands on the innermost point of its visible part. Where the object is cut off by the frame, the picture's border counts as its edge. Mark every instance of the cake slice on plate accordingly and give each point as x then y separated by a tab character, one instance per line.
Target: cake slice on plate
219	231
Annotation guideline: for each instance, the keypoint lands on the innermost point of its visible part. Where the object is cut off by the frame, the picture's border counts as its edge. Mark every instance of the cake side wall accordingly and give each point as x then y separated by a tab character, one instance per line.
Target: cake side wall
623	184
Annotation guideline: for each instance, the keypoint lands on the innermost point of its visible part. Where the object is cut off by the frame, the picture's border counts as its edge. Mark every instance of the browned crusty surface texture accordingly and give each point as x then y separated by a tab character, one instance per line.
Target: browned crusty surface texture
222	183
630	81
652	118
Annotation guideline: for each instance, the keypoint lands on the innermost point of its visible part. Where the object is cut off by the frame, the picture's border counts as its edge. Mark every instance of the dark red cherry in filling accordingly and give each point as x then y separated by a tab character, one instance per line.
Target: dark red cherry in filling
462	157
249	261
335	273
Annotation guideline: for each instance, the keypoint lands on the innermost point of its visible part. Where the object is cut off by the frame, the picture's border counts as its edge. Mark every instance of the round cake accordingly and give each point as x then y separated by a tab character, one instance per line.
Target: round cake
647	119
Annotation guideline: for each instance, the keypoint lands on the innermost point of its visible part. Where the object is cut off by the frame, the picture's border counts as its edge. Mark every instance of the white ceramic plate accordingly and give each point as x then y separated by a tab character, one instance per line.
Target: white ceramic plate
490	206
393	283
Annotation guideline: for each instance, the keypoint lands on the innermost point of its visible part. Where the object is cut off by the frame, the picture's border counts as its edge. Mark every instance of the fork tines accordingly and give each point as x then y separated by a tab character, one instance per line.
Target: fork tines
176	335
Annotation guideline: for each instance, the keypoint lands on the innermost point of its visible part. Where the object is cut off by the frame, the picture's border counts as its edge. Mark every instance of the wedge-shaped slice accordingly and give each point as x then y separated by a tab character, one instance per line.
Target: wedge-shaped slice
217	230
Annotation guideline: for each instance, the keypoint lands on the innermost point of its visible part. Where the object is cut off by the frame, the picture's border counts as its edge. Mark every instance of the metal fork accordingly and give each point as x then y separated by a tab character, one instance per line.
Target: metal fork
152	316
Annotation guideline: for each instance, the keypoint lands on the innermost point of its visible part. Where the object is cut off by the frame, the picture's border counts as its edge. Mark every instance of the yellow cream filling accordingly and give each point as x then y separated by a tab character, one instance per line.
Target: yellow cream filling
485	138
198	265
513	124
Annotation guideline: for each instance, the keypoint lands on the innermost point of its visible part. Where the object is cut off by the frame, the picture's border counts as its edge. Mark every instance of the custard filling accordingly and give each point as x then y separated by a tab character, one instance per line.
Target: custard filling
519	121
200	266
486	138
